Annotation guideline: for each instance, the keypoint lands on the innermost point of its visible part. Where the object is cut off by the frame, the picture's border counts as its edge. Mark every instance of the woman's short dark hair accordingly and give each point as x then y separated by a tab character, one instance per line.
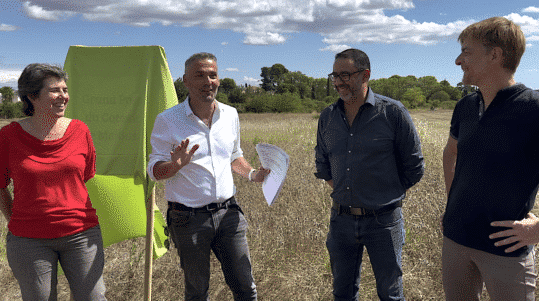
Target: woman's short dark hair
31	82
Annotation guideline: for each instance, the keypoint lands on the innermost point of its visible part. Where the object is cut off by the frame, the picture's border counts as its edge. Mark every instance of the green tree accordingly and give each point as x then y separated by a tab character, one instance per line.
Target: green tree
237	95
413	98
272	76
221	97
227	85
322	88
181	89
398	85
440	96
453	92
7	93
286	88
429	85
301	84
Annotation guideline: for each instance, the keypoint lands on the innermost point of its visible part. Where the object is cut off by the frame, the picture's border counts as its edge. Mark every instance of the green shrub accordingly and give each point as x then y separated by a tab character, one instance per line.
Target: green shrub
221	97
312	105
10	110
449	105
287	102
261	103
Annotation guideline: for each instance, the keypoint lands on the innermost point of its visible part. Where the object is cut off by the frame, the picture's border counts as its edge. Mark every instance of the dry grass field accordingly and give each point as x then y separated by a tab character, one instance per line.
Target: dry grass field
287	240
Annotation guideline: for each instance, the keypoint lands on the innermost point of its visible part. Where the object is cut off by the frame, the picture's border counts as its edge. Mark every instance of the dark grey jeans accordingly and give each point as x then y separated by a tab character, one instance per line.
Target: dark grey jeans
34	263
195	234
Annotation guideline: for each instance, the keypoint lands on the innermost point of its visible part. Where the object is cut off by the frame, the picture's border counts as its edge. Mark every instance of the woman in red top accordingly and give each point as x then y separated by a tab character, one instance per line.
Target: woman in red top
49	158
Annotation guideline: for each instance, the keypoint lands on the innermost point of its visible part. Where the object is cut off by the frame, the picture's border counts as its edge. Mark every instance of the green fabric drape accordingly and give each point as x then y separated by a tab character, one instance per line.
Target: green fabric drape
118	92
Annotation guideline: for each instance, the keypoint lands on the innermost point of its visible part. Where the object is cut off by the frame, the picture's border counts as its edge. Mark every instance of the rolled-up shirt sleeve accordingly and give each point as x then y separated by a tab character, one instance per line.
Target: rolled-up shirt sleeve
161	145
410	158
237	151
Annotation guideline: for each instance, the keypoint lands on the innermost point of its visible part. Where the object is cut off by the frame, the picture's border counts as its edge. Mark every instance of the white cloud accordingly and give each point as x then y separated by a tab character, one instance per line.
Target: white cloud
269	22
6	27
252	80
529	45
37	12
335	48
531	9
9	78
267	38
232	69
528	24
396	29
532	38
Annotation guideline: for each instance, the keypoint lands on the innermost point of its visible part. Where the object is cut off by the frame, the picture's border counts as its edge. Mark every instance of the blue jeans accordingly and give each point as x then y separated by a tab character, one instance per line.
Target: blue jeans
195	233
34	263
383	236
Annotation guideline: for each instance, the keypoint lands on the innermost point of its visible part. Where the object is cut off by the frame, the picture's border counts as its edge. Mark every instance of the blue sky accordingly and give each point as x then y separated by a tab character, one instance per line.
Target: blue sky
402	37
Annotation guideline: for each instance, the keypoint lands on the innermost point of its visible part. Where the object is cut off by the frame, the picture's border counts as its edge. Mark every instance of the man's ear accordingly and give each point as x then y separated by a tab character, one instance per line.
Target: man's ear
496	54
367	75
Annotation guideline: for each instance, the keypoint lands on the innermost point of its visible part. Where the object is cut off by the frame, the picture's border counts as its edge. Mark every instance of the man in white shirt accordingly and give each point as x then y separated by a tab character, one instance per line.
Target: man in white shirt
203	214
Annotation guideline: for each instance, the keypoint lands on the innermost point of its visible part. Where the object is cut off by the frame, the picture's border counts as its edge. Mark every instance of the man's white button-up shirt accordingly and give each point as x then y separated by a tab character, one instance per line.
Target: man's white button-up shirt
208	176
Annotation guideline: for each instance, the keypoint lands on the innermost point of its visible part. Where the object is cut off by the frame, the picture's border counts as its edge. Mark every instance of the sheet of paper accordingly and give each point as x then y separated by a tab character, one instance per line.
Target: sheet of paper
275	159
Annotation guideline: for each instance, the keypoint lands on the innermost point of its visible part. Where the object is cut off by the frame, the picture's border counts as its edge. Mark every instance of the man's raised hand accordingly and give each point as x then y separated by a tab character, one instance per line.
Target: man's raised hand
181	155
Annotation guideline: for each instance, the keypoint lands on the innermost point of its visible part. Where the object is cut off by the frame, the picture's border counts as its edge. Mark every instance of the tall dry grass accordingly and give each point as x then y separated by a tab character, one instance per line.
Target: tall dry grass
287	240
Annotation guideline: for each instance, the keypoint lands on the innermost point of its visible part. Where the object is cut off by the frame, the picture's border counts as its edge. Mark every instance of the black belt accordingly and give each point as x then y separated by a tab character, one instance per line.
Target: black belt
210	207
362	211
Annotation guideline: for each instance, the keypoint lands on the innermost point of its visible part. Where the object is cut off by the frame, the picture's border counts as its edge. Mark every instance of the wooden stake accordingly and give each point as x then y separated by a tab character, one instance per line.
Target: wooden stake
149	248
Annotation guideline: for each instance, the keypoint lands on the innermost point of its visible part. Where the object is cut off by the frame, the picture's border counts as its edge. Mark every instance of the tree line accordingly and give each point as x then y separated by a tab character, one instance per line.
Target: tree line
282	90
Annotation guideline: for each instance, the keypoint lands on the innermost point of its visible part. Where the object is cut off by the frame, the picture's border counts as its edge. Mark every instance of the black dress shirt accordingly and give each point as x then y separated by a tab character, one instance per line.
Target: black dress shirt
374	161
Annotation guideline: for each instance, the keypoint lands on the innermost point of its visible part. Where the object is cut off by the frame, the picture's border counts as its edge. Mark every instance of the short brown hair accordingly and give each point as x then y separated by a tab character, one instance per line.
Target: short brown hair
499	32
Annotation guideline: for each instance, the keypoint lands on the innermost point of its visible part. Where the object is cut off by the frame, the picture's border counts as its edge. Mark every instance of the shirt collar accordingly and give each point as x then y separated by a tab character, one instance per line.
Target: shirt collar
369	100
187	107
504	93
189	112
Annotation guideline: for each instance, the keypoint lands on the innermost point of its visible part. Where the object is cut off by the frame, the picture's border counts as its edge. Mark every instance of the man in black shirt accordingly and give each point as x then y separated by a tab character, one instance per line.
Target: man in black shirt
369	152
491	169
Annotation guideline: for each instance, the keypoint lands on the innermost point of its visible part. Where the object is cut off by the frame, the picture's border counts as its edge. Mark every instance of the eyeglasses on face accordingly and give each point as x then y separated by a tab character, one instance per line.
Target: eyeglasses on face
344	76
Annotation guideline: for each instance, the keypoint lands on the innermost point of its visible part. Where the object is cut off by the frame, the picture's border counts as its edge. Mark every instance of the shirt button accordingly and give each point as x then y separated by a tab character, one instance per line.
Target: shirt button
348	188
348	169
351	135
349	152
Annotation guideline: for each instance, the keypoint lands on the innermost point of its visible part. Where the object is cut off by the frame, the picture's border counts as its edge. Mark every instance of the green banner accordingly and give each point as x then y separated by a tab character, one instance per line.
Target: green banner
118	92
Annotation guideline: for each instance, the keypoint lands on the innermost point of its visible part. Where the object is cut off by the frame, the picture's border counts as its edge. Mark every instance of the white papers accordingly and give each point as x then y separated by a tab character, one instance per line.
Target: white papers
275	159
